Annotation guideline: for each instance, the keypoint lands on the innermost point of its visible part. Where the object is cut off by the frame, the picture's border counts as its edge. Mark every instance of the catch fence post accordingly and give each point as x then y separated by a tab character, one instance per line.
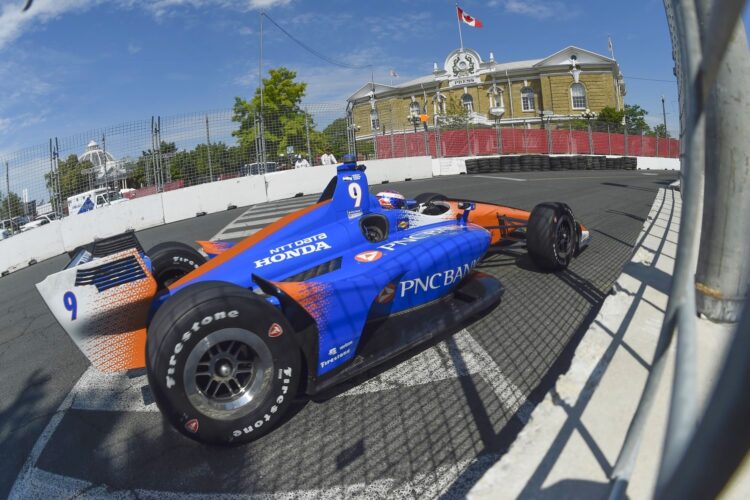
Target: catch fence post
208	150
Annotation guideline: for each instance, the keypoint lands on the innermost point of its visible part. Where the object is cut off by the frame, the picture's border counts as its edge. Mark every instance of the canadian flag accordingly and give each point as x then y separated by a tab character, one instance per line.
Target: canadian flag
471	21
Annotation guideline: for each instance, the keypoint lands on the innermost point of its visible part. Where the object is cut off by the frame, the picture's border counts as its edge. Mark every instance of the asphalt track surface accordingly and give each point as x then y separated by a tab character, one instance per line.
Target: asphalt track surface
426	424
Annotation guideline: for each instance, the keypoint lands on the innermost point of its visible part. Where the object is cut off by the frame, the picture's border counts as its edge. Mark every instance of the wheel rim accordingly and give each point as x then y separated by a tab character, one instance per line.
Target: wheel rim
564	238
227	373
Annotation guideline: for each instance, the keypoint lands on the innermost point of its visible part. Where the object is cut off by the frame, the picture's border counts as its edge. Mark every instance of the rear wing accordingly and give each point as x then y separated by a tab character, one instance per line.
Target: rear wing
102	300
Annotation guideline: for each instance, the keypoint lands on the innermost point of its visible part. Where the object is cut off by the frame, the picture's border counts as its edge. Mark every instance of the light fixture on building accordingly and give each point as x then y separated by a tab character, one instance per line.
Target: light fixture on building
498	108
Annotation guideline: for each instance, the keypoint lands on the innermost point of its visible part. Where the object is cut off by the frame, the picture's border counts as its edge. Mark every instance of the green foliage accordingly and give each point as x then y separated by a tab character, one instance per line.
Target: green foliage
334	136
610	115
635	117
285	122
456	115
16	206
71	179
660	131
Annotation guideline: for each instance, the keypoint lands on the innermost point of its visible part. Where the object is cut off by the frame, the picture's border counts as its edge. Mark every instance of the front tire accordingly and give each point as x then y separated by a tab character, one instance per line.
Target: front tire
551	236
221	363
172	260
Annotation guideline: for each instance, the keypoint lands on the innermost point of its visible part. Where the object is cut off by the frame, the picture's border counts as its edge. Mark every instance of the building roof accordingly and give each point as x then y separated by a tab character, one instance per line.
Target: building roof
559	58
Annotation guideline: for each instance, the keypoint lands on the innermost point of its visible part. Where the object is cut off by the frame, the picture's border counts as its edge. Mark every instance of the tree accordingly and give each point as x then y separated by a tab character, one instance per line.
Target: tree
16	206
143	172
335	137
661	131
70	179
610	115
635	119
456	114
285	122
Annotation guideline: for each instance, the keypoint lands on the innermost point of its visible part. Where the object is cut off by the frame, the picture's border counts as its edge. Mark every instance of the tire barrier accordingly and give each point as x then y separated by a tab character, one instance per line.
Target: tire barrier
534	163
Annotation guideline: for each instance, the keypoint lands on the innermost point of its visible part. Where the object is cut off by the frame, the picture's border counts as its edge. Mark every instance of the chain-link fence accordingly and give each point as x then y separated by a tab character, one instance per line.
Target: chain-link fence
164	153
451	138
160	154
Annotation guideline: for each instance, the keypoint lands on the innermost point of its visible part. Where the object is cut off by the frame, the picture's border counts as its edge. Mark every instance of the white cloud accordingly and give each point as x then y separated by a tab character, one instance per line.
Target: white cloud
14	23
133	48
538	9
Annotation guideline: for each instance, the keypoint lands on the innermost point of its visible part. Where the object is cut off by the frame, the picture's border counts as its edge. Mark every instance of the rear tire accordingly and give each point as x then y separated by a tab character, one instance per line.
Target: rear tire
551	236
172	260
221	363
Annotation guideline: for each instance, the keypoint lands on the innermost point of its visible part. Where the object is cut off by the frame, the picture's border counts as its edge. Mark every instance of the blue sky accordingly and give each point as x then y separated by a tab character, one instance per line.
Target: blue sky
68	66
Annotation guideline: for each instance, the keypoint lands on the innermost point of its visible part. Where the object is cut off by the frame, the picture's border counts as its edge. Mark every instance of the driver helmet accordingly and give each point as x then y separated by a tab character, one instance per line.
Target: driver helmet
391	199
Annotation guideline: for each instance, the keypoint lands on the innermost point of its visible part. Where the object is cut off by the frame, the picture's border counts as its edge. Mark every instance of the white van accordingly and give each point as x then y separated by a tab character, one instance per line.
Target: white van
91	200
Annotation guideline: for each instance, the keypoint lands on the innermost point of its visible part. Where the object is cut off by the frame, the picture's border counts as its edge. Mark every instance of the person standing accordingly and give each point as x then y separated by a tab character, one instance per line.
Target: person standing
328	158
301	162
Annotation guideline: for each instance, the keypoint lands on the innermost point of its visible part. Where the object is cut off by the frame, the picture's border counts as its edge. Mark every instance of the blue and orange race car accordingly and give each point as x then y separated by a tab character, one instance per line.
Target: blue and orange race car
321	295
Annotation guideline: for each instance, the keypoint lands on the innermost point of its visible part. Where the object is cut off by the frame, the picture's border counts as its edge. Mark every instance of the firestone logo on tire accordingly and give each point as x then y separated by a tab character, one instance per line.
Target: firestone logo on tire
275	330
192	425
369	256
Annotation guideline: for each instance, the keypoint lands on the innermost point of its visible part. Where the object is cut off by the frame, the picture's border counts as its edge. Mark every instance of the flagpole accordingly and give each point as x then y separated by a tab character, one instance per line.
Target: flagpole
611	47
460	35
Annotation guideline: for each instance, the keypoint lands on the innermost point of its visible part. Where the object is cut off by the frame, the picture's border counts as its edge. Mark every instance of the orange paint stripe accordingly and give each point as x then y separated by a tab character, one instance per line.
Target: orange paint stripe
246	243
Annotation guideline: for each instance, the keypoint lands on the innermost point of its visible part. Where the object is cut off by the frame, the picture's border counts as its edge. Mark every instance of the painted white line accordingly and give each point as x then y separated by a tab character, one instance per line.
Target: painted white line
238	234
457	356
113	392
19	489
648	174
432	484
256	222
500	178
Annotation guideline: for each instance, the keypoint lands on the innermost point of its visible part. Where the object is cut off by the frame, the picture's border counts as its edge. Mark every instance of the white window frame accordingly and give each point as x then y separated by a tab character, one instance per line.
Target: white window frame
528	94
574	97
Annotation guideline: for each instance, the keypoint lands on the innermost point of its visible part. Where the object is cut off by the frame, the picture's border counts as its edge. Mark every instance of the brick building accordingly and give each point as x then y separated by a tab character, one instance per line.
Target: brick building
553	89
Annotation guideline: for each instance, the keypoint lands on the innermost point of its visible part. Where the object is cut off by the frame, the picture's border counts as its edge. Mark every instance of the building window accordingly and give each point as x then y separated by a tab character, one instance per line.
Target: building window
414	108
439	104
374	119
578	93
468	102
527	99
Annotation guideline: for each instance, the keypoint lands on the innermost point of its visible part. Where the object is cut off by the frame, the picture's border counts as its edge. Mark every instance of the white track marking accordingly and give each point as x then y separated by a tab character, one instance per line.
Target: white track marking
500	178
432	484
441	363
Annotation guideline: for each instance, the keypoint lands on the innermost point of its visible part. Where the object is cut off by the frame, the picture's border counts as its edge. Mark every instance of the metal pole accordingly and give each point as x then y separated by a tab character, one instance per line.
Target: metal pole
499	137
683	24
208	152
57	176
664	113
106	175
591	137
626	136
609	140
307	133
657	143
722	276
7	189
262	105
468	138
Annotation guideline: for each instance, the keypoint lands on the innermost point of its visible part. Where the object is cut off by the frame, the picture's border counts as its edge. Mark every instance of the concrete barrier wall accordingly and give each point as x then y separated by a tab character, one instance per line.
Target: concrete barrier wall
38	244
184	203
137	214
652	163
288	183
149	211
399	169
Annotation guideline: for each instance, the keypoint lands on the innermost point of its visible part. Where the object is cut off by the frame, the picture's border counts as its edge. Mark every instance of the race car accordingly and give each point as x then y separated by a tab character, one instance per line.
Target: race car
319	296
